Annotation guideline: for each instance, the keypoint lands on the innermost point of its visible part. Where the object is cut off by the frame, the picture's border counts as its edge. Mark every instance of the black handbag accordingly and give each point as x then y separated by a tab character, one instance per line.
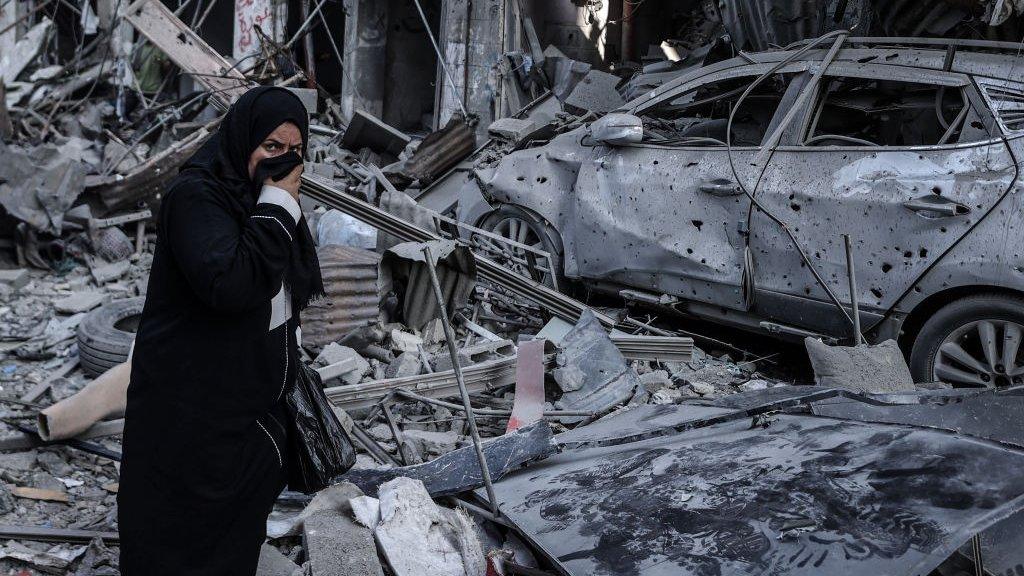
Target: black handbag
320	449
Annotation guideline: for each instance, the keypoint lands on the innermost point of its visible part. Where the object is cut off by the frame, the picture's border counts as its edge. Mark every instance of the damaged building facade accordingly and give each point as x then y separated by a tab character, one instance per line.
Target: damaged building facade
547	229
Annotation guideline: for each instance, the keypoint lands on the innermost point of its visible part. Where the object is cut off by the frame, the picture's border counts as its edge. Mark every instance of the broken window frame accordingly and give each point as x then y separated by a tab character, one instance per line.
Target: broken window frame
894	74
753	71
987	87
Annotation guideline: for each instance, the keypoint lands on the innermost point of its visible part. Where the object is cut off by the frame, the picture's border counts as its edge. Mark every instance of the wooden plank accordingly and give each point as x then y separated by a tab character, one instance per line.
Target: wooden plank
40	494
186	49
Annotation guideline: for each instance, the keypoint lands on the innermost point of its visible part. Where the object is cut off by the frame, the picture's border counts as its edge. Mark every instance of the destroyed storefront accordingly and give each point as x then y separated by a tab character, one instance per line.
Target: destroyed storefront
543	408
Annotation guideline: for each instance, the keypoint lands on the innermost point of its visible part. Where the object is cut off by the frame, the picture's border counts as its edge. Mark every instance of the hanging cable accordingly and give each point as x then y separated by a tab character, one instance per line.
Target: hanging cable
440	58
840	36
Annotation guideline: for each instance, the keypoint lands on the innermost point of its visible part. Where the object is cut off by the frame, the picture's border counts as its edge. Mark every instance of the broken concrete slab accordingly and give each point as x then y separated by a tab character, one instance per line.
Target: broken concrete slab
596	93
273	563
104	273
418	537
368	131
25	51
459	471
513	129
879	368
407	364
432	443
337	360
16	278
334	499
337	545
402	341
476	353
79	302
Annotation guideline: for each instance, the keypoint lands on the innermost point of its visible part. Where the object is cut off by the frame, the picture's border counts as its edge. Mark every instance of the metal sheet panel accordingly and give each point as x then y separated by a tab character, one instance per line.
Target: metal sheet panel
353	294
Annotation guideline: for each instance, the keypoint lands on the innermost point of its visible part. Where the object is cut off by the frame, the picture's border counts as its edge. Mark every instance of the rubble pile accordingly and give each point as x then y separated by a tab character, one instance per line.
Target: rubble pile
507	419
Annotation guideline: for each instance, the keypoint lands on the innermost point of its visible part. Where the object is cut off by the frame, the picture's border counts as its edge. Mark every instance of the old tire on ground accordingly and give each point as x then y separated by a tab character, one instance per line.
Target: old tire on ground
528	228
105	335
972	342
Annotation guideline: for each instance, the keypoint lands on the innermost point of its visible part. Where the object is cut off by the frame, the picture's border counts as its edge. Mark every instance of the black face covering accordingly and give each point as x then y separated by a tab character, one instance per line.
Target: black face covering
224	159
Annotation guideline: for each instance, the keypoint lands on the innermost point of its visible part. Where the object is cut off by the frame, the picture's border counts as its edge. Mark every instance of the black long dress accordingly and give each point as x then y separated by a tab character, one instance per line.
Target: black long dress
204	442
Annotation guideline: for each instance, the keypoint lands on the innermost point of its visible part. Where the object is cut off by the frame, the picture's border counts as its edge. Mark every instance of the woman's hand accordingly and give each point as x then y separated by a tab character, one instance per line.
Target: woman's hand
289	183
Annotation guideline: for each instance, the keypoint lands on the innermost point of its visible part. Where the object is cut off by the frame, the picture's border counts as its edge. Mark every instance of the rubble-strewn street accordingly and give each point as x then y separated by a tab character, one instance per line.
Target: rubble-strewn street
614	287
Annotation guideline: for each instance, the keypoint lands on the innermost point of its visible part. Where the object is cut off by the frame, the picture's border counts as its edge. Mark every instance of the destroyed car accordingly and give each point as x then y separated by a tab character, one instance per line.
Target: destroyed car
913	149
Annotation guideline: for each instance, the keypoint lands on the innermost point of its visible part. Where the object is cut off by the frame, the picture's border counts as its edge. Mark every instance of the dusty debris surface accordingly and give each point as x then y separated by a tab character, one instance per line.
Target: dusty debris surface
518	234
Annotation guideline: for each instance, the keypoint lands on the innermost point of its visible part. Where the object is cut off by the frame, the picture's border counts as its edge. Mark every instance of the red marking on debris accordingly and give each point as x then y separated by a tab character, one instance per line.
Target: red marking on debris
529	404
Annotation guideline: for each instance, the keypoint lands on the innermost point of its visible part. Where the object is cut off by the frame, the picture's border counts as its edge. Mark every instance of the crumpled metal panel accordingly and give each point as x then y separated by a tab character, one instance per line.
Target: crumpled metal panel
353	294
804	496
404	270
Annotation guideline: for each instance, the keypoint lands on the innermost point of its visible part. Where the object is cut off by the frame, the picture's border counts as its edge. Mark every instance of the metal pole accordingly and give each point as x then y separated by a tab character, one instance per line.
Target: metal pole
979	564
858	338
449	334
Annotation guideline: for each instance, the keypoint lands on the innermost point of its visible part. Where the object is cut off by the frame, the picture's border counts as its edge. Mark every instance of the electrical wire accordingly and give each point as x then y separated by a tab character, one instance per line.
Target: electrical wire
440	57
750	194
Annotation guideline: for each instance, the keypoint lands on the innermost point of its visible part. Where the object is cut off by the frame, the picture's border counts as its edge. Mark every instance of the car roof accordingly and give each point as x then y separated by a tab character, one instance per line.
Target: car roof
916	58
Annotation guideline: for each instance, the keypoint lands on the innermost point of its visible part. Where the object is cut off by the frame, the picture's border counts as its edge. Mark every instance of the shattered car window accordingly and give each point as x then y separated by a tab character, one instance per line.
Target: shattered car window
869	112
700	116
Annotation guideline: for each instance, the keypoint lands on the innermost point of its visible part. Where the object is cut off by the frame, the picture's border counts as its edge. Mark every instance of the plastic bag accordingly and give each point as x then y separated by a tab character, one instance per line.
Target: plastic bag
320	447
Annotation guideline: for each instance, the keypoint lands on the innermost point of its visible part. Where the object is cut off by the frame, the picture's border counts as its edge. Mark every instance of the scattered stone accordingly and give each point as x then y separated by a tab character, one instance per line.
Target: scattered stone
656	380
7	503
666	396
512	128
338	546
407	364
18	461
433	332
405	341
433	443
342	361
16	278
702	388
79	302
104	273
273	563
53	463
756	384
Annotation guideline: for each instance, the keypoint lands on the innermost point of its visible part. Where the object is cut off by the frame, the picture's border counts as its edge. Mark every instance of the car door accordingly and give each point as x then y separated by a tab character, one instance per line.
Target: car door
904	163
666	215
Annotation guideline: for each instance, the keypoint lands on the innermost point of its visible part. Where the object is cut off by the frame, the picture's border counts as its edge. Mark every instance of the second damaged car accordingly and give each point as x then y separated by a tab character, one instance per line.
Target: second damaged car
725	194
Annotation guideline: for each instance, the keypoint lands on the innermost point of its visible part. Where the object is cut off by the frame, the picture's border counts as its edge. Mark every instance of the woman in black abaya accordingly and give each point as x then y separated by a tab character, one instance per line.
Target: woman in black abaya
205	436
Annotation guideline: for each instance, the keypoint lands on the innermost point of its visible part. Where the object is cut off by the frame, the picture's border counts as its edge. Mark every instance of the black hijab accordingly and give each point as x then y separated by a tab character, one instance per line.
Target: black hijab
224	163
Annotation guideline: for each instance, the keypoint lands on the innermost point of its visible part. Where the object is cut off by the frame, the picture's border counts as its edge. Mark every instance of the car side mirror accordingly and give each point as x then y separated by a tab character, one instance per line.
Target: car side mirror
616	129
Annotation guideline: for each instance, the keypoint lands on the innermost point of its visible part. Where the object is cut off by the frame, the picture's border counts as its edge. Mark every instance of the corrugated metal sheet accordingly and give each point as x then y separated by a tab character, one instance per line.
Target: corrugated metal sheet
456	273
353	294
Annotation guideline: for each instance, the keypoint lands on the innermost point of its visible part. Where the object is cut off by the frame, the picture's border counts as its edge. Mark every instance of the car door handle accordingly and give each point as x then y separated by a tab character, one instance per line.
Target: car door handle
935	206
720	187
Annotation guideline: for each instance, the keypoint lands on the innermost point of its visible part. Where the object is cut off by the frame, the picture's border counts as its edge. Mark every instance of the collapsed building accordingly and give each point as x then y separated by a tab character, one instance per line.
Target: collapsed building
612	438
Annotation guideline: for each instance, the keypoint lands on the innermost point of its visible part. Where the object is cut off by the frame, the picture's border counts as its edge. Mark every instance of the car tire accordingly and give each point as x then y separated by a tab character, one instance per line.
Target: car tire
546	234
105	335
961	323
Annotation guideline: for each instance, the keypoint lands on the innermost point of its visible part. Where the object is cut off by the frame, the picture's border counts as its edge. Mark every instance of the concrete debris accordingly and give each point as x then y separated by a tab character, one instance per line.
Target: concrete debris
878	369
418	537
596	93
337	545
530	232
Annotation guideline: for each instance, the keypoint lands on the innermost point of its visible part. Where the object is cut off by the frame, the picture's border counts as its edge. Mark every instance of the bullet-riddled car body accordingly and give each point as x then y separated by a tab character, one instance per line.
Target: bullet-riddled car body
911	150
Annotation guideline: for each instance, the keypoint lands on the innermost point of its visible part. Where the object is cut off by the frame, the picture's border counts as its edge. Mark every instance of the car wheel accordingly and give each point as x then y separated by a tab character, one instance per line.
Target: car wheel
517	224
973	342
105	335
